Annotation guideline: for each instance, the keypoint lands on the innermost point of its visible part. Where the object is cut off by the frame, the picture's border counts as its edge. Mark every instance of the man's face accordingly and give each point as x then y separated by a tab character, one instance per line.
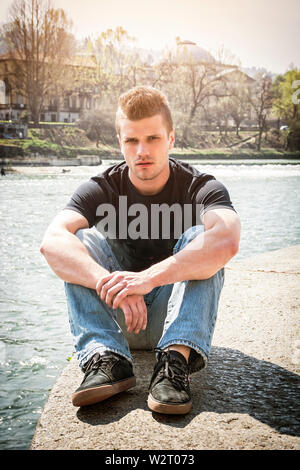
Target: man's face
145	145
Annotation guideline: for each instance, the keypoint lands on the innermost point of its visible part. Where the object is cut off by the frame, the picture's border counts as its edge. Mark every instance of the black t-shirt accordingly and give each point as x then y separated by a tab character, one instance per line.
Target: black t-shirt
142	230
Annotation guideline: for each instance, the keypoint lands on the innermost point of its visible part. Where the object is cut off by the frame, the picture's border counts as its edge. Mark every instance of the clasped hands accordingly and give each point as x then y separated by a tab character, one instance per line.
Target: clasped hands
125	289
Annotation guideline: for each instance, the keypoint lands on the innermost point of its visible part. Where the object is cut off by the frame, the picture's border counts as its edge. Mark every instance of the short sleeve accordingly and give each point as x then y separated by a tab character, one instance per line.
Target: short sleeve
213	195
85	200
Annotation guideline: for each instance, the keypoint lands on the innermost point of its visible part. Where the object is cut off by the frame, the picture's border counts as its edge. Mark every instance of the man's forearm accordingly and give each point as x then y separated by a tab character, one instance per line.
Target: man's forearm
70	260
200	259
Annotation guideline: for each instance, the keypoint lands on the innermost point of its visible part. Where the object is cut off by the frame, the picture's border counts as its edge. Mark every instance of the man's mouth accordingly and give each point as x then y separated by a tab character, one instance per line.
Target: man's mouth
144	163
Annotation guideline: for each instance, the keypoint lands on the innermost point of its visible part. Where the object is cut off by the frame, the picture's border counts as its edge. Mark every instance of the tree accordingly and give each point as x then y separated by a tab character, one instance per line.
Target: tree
117	67
99	127
238	85
39	41
260	98
197	80
117	62
237	110
284	106
220	113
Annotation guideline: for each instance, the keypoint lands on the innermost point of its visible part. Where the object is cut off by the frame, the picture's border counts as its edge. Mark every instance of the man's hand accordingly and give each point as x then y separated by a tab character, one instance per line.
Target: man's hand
135	312
114	287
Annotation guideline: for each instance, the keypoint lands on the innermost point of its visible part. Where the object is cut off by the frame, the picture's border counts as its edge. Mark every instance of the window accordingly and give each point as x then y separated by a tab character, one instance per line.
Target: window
53	102
2	92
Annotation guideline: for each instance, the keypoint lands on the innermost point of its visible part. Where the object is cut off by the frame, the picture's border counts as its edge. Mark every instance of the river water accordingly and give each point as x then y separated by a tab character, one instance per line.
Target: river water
35	342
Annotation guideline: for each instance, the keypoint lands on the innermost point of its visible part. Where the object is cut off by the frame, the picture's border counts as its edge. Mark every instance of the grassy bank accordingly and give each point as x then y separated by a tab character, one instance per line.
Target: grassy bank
71	142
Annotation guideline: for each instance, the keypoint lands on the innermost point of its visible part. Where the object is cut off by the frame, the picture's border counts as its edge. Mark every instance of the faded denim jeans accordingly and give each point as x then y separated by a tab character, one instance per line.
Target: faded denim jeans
181	313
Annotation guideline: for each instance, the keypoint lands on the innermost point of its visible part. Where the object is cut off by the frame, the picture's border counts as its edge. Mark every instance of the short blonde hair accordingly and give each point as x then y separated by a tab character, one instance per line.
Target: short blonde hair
141	102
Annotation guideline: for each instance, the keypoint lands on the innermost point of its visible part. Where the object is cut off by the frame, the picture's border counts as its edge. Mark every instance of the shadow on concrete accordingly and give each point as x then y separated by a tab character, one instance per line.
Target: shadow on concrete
233	382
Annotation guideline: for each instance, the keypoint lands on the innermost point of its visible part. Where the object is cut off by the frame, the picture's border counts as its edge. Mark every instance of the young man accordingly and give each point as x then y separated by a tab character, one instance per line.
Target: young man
141	248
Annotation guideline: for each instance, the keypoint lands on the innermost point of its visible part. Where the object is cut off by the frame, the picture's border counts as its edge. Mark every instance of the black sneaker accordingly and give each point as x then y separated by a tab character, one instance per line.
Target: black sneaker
169	386
105	375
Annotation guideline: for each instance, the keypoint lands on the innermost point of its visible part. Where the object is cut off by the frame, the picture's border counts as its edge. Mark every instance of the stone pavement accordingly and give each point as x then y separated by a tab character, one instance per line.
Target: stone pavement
246	398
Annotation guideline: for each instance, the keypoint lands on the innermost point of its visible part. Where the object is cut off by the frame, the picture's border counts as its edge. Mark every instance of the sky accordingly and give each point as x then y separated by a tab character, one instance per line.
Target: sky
260	33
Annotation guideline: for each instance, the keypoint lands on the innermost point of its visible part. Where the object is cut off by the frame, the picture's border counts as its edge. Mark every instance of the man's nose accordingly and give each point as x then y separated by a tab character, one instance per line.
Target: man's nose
142	149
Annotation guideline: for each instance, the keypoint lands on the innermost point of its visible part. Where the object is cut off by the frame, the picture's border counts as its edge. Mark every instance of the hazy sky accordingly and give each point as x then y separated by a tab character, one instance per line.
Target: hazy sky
263	33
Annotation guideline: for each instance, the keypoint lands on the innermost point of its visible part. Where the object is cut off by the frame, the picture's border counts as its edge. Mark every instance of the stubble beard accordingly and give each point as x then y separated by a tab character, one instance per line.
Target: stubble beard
143	175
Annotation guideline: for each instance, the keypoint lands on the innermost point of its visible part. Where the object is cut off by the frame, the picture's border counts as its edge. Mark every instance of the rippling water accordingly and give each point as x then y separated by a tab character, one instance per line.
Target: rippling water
35	341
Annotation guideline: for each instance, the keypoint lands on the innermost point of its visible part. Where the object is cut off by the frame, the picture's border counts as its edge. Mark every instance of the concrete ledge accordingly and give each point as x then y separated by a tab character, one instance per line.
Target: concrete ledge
246	398
40	161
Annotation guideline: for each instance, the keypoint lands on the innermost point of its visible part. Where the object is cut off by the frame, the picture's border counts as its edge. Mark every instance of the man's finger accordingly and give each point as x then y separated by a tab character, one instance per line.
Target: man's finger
115	279
128	316
144	309
135	316
124	292
141	317
111	293
102	281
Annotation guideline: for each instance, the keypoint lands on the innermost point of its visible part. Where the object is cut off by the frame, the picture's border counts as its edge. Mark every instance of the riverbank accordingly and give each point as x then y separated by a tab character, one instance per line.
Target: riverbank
246	398
208	157
218	167
68	145
50	161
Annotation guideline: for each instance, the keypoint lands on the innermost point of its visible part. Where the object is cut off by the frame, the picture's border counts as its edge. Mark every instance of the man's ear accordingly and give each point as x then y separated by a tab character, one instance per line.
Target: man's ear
119	139
171	139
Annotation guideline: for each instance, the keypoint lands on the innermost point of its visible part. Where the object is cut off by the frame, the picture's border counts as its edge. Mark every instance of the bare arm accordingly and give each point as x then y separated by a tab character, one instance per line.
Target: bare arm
70	260
66	254
200	259
206	254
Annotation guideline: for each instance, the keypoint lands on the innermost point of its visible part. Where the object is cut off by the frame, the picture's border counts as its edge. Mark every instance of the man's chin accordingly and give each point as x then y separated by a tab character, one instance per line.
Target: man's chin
145	175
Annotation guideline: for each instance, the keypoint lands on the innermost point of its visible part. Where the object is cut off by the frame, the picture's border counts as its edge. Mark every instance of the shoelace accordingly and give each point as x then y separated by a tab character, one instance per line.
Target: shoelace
174	372
96	362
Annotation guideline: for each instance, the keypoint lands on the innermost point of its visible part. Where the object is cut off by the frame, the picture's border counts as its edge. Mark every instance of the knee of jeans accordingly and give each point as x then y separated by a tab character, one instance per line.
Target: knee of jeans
93	242
89	236
188	236
80	234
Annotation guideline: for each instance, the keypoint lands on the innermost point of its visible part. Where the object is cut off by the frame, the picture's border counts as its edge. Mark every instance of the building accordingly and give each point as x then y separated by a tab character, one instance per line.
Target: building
65	105
220	81
78	96
188	49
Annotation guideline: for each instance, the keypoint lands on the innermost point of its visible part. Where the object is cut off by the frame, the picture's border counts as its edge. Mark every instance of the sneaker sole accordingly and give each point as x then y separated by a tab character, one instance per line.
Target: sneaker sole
97	394
167	408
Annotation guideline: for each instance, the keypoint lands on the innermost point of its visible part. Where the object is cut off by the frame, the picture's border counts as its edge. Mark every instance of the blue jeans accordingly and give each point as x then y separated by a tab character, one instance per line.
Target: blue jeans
181	313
